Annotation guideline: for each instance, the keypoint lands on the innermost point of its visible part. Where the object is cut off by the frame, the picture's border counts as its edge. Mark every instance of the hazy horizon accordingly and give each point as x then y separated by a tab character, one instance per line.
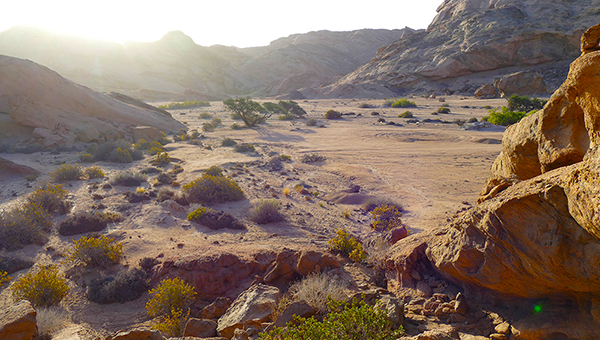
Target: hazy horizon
249	25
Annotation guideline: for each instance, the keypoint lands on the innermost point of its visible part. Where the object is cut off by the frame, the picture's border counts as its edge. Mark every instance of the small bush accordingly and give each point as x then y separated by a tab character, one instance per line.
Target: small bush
44	288
472	120
197	214
86	158
184	105
406	114
245	147
164	194
93	172
99	251
82	222
129	179
164	178
355	320
385	218
347	245
216	122
213	171
375	202
208	127
312	158
505	117
212	189
205	115
162	158
27	224
228	142
124	286
172	325
236	126
403	103
50	320
332	114
147	264
67	172
366	106
266	211
51	198
169	295
4	278
443	110
314	290
311	122
525	104
292	108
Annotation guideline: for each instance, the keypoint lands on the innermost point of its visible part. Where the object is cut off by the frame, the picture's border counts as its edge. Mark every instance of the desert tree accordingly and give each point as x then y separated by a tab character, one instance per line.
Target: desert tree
251	112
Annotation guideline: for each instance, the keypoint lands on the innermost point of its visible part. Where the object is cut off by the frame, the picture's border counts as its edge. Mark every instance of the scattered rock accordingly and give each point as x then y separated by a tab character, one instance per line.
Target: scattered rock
18	322
200	328
253	306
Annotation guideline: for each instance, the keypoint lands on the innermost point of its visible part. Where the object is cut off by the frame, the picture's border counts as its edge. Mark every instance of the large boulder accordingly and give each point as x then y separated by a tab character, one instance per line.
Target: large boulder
521	83
38	97
252	307
18	322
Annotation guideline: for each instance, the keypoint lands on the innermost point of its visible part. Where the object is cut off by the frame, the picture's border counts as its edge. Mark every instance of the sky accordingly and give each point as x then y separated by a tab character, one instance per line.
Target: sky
225	22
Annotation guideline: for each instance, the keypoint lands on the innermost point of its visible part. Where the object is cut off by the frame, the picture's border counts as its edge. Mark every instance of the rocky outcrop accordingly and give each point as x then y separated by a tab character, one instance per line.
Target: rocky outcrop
471	42
18	322
521	83
10	168
61	111
252	307
226	275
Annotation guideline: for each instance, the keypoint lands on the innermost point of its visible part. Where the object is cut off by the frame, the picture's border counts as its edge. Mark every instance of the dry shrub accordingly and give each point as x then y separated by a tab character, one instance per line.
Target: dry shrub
27	224
93	251
377	250
375	202
51	198
315	288
82	222
127	285
210	189
67	172
13	263
50	320
93	172
129	179
266	211
46	287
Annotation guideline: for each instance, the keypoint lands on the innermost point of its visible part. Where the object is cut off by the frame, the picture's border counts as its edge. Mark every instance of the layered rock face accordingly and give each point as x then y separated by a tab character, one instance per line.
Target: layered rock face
471	42
60	111
537	231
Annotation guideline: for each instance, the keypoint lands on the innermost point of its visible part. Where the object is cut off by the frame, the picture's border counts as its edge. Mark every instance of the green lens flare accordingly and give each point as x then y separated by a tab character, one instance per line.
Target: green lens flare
537	308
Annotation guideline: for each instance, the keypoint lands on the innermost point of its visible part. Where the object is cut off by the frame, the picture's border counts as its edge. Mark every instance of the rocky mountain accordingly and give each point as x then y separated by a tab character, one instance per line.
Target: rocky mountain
36	101
177	68
472	42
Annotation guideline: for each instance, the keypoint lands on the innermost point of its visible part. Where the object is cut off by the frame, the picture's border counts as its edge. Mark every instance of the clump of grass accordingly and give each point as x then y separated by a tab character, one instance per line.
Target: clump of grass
67	172
43	288
129	179
93	172
118	151
205	115
236	126
93	251
210	189
314	290
347	245
228	142
312	158
332	114
266	211
50	320
197	214
245	147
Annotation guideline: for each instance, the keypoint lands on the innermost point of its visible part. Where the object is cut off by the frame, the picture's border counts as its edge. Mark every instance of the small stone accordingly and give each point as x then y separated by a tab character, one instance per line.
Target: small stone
460	304
497	336
503	328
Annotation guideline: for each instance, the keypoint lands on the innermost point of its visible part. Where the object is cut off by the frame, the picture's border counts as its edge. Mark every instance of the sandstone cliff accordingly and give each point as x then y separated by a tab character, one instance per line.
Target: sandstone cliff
472	42
58	111
175	68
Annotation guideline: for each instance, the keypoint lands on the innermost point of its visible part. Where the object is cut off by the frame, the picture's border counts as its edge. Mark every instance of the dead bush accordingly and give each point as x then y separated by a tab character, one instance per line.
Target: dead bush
127	285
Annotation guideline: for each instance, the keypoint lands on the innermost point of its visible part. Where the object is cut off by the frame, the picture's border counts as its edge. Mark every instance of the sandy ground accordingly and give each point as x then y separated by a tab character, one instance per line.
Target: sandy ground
431	169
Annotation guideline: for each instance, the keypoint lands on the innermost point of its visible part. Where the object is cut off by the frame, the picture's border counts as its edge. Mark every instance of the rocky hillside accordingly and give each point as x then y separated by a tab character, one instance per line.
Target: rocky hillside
471	42
175	68
36	100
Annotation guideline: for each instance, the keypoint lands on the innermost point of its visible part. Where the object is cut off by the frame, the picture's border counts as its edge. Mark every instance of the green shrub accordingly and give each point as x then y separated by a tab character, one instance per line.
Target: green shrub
127	285
403	102
385	218
169	295
312	158
228	142
366	106
292	108
525	104
109	151
443	110
244	147
332	114
184	105
129	179
347	245
99	251
505	117
120	155
45	287
205	115
406	114
212	189
162	158
93	172
197	214
265	211
216	122
67	172
208	127
275	108
247	110
213	171
50	197
355	320
311	122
